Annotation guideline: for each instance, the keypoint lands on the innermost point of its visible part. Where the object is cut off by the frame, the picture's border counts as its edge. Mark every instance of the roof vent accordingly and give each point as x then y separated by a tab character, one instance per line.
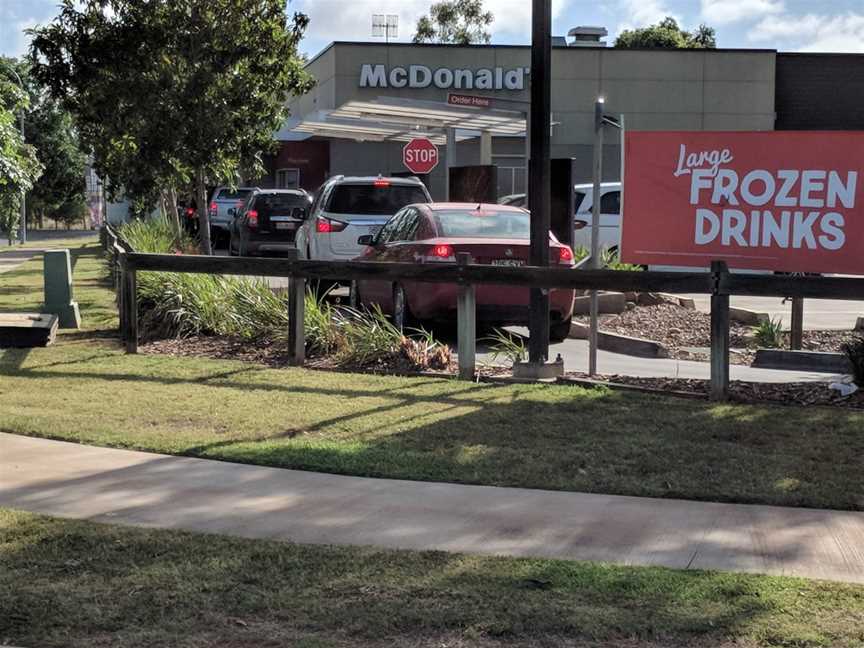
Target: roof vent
586	36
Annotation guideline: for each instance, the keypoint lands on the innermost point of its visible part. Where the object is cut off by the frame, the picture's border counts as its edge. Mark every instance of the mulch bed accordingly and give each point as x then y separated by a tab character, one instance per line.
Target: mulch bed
677	327
276	355
265	352
801	393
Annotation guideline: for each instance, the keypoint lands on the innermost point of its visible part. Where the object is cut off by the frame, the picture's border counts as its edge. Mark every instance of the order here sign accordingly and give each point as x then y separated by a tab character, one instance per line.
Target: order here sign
777	200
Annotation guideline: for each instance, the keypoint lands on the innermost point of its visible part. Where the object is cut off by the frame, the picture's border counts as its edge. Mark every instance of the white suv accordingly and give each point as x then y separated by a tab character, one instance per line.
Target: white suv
610	213
346	208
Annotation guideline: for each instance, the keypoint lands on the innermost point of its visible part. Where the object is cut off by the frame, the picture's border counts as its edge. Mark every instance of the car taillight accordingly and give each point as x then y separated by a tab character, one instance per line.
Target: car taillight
326	225
580	224
380	183
442	251
213	207
565	254
190	212
252	218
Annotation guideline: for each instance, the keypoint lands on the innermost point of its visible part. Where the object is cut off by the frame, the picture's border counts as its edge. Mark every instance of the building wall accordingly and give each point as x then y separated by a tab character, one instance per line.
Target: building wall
820	92
653	89
311	157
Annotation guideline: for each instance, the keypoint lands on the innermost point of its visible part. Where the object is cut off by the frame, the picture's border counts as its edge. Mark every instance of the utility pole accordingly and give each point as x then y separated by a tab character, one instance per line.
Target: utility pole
539	172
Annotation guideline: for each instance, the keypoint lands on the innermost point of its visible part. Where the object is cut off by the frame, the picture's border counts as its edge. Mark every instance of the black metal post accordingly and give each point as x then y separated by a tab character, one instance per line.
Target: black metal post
539	172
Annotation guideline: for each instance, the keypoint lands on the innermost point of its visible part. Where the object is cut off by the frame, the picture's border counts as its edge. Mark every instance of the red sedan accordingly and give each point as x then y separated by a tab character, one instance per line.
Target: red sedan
435	233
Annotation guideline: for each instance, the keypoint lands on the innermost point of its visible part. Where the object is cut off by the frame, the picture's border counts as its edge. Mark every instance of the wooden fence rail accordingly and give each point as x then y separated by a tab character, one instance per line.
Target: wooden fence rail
719	283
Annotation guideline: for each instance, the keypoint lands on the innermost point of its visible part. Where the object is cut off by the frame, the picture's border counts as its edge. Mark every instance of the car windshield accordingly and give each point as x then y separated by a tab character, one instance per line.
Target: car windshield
280	204
487	223
578	197
373	200
228	194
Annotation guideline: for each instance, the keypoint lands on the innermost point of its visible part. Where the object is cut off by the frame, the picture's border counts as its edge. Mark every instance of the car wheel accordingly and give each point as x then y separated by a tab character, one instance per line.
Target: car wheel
559	331
402	317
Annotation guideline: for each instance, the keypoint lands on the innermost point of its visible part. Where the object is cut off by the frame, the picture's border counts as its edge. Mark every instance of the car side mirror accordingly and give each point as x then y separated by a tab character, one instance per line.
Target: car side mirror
366	239
232	211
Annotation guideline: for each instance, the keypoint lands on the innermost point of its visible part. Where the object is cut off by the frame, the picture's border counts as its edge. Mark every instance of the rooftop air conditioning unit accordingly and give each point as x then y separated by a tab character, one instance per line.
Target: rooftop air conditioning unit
585	36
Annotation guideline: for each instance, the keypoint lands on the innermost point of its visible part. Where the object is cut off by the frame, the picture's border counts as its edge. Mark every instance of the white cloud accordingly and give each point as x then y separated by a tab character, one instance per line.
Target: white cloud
331	20
724	12
813	32
640	13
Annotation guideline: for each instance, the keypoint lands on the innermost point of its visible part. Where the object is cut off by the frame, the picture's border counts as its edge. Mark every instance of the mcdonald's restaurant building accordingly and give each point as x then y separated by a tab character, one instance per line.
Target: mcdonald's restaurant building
371	98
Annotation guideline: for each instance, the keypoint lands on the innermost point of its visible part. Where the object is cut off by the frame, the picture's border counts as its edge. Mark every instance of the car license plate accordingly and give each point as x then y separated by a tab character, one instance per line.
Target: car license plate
508	262
284	226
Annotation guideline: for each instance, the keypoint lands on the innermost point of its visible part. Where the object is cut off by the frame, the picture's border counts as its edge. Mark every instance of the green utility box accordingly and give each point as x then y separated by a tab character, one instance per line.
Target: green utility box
57	270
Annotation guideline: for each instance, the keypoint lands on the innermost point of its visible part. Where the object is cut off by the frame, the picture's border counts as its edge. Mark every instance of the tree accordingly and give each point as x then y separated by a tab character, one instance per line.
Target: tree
461	22
71	212
50	130
170	93
19	166
667	34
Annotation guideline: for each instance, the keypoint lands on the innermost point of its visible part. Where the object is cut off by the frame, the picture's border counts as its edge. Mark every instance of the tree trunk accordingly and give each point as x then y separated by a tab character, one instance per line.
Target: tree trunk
203	214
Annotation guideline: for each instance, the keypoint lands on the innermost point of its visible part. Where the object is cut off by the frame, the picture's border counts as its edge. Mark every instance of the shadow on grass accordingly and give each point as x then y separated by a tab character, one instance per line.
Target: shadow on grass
560	438
74	583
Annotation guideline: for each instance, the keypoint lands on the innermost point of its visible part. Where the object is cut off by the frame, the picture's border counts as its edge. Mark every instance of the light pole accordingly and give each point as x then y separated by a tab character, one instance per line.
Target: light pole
601	119
22	231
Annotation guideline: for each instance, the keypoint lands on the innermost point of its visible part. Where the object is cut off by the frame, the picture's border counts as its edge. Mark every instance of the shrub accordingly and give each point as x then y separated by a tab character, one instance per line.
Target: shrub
510	346
611	261
854	350
156	235
769	335
181	305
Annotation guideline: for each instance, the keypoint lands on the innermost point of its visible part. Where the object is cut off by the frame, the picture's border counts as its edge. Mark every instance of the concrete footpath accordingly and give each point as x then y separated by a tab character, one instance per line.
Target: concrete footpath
136	488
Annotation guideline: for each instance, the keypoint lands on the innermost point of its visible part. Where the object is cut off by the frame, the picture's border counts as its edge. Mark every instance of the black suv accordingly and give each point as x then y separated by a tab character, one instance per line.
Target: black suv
267	222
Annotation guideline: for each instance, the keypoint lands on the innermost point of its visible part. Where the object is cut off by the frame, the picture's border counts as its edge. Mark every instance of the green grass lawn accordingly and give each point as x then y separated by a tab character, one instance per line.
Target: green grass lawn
538	436
68	583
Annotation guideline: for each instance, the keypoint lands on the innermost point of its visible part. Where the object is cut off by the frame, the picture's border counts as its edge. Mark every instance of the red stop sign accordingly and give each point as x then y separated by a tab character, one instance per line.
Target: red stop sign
420	155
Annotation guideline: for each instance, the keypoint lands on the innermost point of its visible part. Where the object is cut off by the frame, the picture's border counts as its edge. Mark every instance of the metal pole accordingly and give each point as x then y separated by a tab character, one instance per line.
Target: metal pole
466	307
594	261
449	158
539	191
22	232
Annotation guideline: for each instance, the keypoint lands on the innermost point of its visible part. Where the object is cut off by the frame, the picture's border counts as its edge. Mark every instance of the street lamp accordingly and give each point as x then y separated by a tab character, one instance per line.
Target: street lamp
22	232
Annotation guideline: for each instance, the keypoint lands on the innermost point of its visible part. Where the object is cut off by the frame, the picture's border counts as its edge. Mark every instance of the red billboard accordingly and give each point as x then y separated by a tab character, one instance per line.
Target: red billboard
777	200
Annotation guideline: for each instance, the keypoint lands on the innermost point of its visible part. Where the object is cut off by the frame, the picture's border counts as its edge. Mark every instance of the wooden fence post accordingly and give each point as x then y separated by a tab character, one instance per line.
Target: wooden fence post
796	338
120	291
296	316
129	307
719	335
466	307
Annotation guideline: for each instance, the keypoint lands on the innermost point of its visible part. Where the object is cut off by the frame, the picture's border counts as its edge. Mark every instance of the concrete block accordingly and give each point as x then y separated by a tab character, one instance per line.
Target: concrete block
609	302
25	330
687	302
859	325
57	274
749	317
631	345
835	363
539	371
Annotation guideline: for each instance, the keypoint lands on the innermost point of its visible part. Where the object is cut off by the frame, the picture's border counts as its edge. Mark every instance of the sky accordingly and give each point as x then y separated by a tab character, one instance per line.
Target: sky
785	25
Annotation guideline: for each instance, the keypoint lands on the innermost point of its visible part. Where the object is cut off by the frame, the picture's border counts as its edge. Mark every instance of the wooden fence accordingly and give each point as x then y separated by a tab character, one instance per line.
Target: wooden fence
719	283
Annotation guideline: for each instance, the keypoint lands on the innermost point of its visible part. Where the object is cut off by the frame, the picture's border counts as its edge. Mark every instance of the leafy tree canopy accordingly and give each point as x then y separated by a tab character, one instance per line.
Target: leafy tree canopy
50	130
19	166
667	34
171	92
461	22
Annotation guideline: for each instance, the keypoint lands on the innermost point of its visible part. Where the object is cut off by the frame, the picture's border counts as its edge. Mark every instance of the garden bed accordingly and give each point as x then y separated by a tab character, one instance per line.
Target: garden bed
685	332
799	393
